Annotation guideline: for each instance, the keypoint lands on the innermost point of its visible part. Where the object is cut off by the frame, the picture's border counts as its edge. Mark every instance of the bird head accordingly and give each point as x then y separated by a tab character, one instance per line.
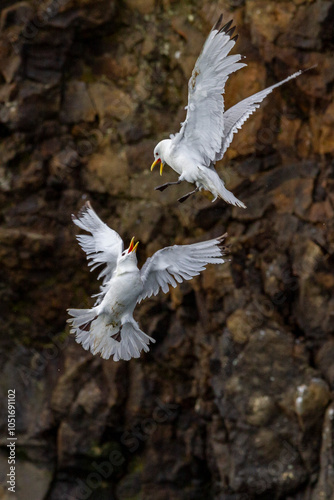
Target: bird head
128	258
159	154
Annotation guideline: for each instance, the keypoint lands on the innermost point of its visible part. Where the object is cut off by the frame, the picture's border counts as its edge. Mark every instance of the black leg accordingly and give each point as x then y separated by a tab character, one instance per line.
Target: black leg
186	196
164	186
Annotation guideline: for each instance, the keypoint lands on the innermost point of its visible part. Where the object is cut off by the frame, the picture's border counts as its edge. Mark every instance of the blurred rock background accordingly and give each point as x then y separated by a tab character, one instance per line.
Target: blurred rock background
234	401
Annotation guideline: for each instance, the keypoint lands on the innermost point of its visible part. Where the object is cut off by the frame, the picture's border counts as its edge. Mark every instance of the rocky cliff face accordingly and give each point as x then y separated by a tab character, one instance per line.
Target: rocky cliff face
234	400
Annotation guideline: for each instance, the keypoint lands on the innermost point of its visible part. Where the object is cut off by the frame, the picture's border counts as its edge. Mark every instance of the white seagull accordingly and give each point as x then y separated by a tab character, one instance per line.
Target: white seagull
109	328
207	130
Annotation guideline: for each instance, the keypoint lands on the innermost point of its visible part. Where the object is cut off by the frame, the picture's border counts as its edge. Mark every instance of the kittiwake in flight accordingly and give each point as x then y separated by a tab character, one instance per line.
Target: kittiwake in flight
208	130
109	328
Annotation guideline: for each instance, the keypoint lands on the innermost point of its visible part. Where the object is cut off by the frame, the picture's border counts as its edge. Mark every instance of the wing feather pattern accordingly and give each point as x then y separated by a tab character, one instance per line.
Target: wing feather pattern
236	116
103	246
203	127
172	265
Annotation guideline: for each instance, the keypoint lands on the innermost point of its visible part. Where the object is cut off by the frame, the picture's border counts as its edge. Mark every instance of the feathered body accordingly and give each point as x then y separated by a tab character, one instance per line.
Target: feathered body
98	329
126	287
109	328
208	129
190	169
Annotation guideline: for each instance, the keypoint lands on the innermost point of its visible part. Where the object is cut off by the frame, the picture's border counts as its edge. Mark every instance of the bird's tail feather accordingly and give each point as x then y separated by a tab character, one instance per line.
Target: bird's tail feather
122	341
213	183
133	341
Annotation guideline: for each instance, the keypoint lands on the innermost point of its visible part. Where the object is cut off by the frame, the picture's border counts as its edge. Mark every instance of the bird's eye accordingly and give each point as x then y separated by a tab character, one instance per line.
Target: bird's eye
156	154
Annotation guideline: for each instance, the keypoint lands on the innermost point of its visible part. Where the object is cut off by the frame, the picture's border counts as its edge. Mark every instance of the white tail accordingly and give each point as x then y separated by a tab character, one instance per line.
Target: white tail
122	341
213	183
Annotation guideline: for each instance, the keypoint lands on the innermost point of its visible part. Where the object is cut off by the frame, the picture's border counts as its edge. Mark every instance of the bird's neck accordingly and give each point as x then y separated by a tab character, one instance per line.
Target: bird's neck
128	268
166	150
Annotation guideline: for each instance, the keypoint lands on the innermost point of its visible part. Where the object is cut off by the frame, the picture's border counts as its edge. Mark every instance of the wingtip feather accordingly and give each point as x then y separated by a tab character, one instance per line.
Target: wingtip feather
218	23
222	237
230	31
221	244
226	27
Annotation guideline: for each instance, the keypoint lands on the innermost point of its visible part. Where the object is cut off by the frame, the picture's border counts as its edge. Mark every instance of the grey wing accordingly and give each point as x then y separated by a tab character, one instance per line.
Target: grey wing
172	265
236	116
203	128
103	246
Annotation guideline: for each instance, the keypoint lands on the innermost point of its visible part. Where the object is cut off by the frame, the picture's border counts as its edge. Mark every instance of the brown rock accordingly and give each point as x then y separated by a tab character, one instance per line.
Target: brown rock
62	163
66	389
16	14
142	219
294	195
240	326
306	26
140	156
287	137
9	67
269	19
321	212
77	105
261	410
113	68
107	172
304	141
142	6
75	439
307	256
31	176
311	400
110	101
326	137
253	393
325	487
324	361
33	104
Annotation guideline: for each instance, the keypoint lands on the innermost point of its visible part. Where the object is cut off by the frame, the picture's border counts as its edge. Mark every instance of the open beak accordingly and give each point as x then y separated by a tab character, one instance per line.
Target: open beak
132	247
155	163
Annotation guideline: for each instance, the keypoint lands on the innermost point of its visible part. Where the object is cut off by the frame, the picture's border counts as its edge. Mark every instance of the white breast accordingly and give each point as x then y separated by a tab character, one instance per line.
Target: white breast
122	295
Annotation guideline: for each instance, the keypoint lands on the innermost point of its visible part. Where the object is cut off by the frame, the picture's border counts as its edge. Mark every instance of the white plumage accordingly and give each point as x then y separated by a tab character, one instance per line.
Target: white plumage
109	328
207	130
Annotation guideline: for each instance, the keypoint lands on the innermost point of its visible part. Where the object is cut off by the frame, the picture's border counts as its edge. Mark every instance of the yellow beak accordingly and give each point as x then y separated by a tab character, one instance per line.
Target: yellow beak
132	247
135	247
155	163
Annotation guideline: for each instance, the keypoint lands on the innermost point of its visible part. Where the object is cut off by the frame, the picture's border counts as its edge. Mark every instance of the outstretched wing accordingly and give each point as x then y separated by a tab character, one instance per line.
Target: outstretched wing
103	246
172	265
236	116
203	127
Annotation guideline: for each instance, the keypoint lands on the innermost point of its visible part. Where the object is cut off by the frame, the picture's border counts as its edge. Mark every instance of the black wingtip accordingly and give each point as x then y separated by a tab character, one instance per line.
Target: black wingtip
230	31
218	23
226	27
87	206
221	241
235	38
224	250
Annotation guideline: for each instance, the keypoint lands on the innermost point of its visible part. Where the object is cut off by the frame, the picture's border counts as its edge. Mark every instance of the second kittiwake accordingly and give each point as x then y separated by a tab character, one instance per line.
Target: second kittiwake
109	328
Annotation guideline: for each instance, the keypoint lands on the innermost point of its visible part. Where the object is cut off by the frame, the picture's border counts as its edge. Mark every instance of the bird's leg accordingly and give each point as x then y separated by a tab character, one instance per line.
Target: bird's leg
164	186
186	196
